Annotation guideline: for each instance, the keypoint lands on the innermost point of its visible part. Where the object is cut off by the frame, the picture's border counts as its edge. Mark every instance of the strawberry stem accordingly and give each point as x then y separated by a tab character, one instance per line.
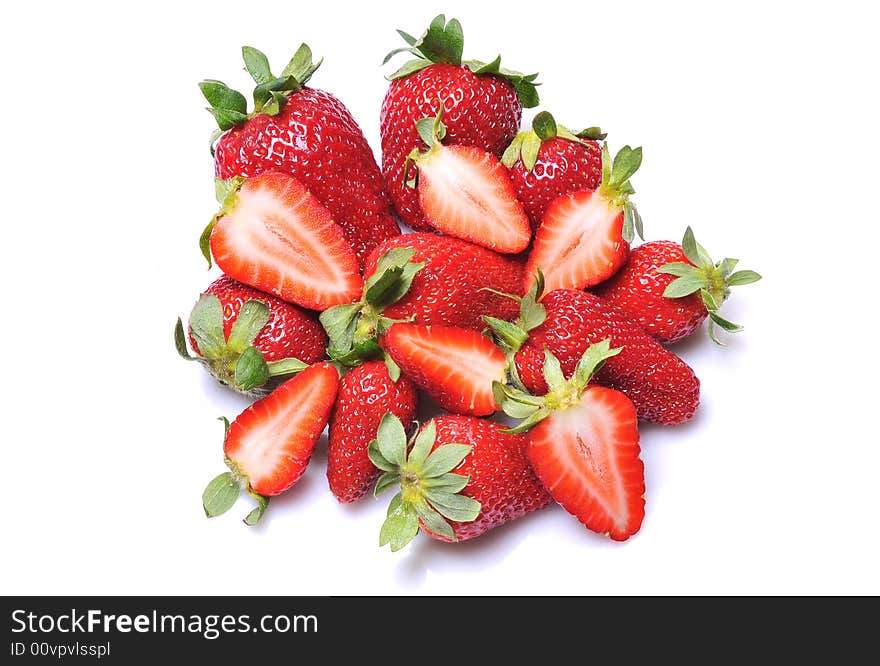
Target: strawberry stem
563	393
712	280
429	490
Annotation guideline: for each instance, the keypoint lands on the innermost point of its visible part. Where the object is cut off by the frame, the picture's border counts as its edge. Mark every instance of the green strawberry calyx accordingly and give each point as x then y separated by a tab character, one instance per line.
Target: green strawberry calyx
617	189
562	393
223	490
525	145
443	43
354	329
229	107
511	336
431	131
712	280
430	492
234	361
226	193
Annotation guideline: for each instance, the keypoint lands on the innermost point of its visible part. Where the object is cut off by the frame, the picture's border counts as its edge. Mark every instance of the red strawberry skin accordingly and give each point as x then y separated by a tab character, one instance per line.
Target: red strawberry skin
447	290
482	111
291	331
562	167
587	455
637	290
366	394
501	479
663	388
315	139
272	441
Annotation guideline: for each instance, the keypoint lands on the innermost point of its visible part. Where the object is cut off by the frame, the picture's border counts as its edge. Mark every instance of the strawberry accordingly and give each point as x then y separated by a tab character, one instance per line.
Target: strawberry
583	444
455	366
669	289
306	133
452	286
550	161
663	388
247	338
366	394
461	477
466	192
272	234
483	104
432	279
584	236
268	446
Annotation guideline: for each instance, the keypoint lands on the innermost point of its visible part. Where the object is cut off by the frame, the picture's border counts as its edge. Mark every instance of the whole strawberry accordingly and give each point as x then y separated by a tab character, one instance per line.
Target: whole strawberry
452	286
366	394
306	133
565	322
669	289
460	477
427	278
246	338
550	161
483	103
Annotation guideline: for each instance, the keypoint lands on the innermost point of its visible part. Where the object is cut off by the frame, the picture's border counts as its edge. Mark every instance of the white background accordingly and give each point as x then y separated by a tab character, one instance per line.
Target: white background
759	125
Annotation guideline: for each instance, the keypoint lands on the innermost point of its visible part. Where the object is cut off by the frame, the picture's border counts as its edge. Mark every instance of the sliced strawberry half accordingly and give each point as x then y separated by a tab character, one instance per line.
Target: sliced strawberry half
584	236
455	366
587	457
268	447
466	192
273	234
583	443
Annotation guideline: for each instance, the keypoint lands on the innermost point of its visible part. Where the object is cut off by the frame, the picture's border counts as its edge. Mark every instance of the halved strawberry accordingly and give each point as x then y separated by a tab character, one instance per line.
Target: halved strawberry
455	366
583	443
273	234
268	447
584	236
466	192
587	456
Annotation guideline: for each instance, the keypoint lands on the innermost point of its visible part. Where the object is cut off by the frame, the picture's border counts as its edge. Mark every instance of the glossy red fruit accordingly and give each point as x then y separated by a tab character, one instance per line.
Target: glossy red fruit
500	479
549	161
269	445
663	388
451	288
587	456
455	366
273	234
584	236
466	192
462	477
314	138
250	351
669	289
290	332
637	290
483	106
366	394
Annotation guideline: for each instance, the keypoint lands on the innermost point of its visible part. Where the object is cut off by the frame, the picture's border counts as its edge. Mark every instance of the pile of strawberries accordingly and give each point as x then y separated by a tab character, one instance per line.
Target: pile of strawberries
517	292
